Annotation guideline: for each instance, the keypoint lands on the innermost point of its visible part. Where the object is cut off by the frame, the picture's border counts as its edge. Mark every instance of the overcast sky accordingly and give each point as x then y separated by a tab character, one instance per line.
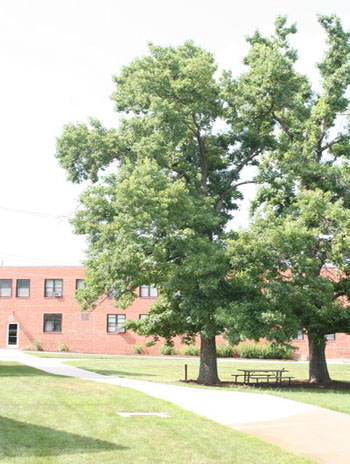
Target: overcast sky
57	62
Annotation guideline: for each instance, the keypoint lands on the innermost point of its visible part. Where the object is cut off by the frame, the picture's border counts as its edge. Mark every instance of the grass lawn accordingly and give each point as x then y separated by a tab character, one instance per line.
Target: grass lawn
46	419
170	370
46	354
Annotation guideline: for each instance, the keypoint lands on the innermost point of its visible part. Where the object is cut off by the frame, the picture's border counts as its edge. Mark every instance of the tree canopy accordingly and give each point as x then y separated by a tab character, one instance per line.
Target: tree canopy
301	224
165	183
160	216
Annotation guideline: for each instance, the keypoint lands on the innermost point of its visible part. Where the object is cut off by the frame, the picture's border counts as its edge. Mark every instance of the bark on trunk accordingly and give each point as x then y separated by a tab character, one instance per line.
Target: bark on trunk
318	370
208	369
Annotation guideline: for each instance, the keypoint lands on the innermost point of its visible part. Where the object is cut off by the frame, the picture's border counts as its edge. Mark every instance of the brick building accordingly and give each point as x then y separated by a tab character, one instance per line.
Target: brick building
38	303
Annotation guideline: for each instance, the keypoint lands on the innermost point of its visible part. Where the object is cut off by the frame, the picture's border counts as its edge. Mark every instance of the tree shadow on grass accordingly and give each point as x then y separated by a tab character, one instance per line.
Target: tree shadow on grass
114	373
19	370
25	439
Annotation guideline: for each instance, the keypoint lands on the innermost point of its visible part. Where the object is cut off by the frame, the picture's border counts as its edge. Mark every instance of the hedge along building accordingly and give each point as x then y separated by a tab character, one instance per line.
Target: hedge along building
38	306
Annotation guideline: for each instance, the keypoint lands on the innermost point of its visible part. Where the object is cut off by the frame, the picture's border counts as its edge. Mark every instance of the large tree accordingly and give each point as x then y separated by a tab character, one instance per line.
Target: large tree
159	216
302	263
307	199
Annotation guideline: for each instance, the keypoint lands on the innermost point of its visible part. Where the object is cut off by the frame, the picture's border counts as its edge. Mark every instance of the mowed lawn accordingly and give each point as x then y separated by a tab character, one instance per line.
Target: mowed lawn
46	419
169	370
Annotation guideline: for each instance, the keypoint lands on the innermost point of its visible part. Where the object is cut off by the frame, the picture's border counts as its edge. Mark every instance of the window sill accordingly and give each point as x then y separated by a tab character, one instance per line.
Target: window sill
115	333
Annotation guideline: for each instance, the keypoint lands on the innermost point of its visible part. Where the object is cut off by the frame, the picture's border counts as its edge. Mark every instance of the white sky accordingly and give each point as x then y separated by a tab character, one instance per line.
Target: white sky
57	62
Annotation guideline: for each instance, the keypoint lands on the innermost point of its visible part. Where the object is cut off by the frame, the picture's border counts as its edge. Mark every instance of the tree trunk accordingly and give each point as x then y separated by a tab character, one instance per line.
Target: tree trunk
318	371
208	369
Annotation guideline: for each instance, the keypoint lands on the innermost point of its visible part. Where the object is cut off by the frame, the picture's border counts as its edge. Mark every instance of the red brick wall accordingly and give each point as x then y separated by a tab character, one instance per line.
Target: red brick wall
87	334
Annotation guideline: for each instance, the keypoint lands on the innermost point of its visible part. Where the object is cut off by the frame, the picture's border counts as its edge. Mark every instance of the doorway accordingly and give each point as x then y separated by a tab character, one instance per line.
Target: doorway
12	334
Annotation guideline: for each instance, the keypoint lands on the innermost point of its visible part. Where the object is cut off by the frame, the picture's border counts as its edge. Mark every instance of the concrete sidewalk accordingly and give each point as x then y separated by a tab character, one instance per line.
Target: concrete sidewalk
304	429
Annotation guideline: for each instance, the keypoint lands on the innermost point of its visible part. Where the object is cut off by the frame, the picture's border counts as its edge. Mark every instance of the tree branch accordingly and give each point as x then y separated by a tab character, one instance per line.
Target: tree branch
283	125
203	155
228	186
183	174
330	144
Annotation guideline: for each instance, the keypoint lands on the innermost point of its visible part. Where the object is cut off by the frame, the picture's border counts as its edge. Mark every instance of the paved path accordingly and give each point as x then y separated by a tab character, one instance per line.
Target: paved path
304	429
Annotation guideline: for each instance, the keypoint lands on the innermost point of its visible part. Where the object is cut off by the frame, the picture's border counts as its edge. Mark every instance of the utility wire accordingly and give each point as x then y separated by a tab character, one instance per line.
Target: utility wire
35	213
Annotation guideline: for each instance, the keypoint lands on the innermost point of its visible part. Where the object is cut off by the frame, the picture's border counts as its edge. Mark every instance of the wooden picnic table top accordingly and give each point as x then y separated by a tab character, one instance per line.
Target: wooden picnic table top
263	370
262	374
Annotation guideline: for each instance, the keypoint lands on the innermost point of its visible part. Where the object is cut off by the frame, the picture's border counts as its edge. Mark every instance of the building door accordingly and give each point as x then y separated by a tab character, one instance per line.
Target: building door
12	334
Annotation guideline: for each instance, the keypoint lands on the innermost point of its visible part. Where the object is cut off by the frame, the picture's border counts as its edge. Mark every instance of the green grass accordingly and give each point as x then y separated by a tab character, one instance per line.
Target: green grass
172	370
40	354
46	419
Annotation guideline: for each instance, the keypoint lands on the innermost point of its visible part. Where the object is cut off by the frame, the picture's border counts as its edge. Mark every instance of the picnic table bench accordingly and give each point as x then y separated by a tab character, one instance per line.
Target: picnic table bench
265	375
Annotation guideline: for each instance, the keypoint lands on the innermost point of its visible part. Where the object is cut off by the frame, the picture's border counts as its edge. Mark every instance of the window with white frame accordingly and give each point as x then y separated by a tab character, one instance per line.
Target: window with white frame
148	291
329	337
5	287
52	322
22	287
143	316
114	323
54	287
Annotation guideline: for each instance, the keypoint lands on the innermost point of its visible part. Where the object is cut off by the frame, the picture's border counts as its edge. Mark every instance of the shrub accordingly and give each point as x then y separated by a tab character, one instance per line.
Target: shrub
190	350
167	350
38	346
150	343
224	351
264	351
63	347
137	349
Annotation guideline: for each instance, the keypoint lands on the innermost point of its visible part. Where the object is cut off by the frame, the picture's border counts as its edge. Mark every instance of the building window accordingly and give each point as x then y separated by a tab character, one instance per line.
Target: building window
329	337
52	322
300	336
5	287
79	283
53	287
114	323
22	287
148	291
142	316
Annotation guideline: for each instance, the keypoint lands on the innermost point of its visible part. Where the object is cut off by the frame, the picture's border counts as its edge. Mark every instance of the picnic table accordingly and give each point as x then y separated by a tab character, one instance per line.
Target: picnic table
267	375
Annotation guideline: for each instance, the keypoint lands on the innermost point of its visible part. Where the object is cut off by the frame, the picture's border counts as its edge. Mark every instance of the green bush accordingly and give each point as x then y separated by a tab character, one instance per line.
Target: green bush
167	350
63	347
264	351
190	350
224	351
150	343
137	349
38	346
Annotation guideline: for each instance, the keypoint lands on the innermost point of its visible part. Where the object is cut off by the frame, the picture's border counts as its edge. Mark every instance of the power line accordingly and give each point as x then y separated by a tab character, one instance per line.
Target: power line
35	213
